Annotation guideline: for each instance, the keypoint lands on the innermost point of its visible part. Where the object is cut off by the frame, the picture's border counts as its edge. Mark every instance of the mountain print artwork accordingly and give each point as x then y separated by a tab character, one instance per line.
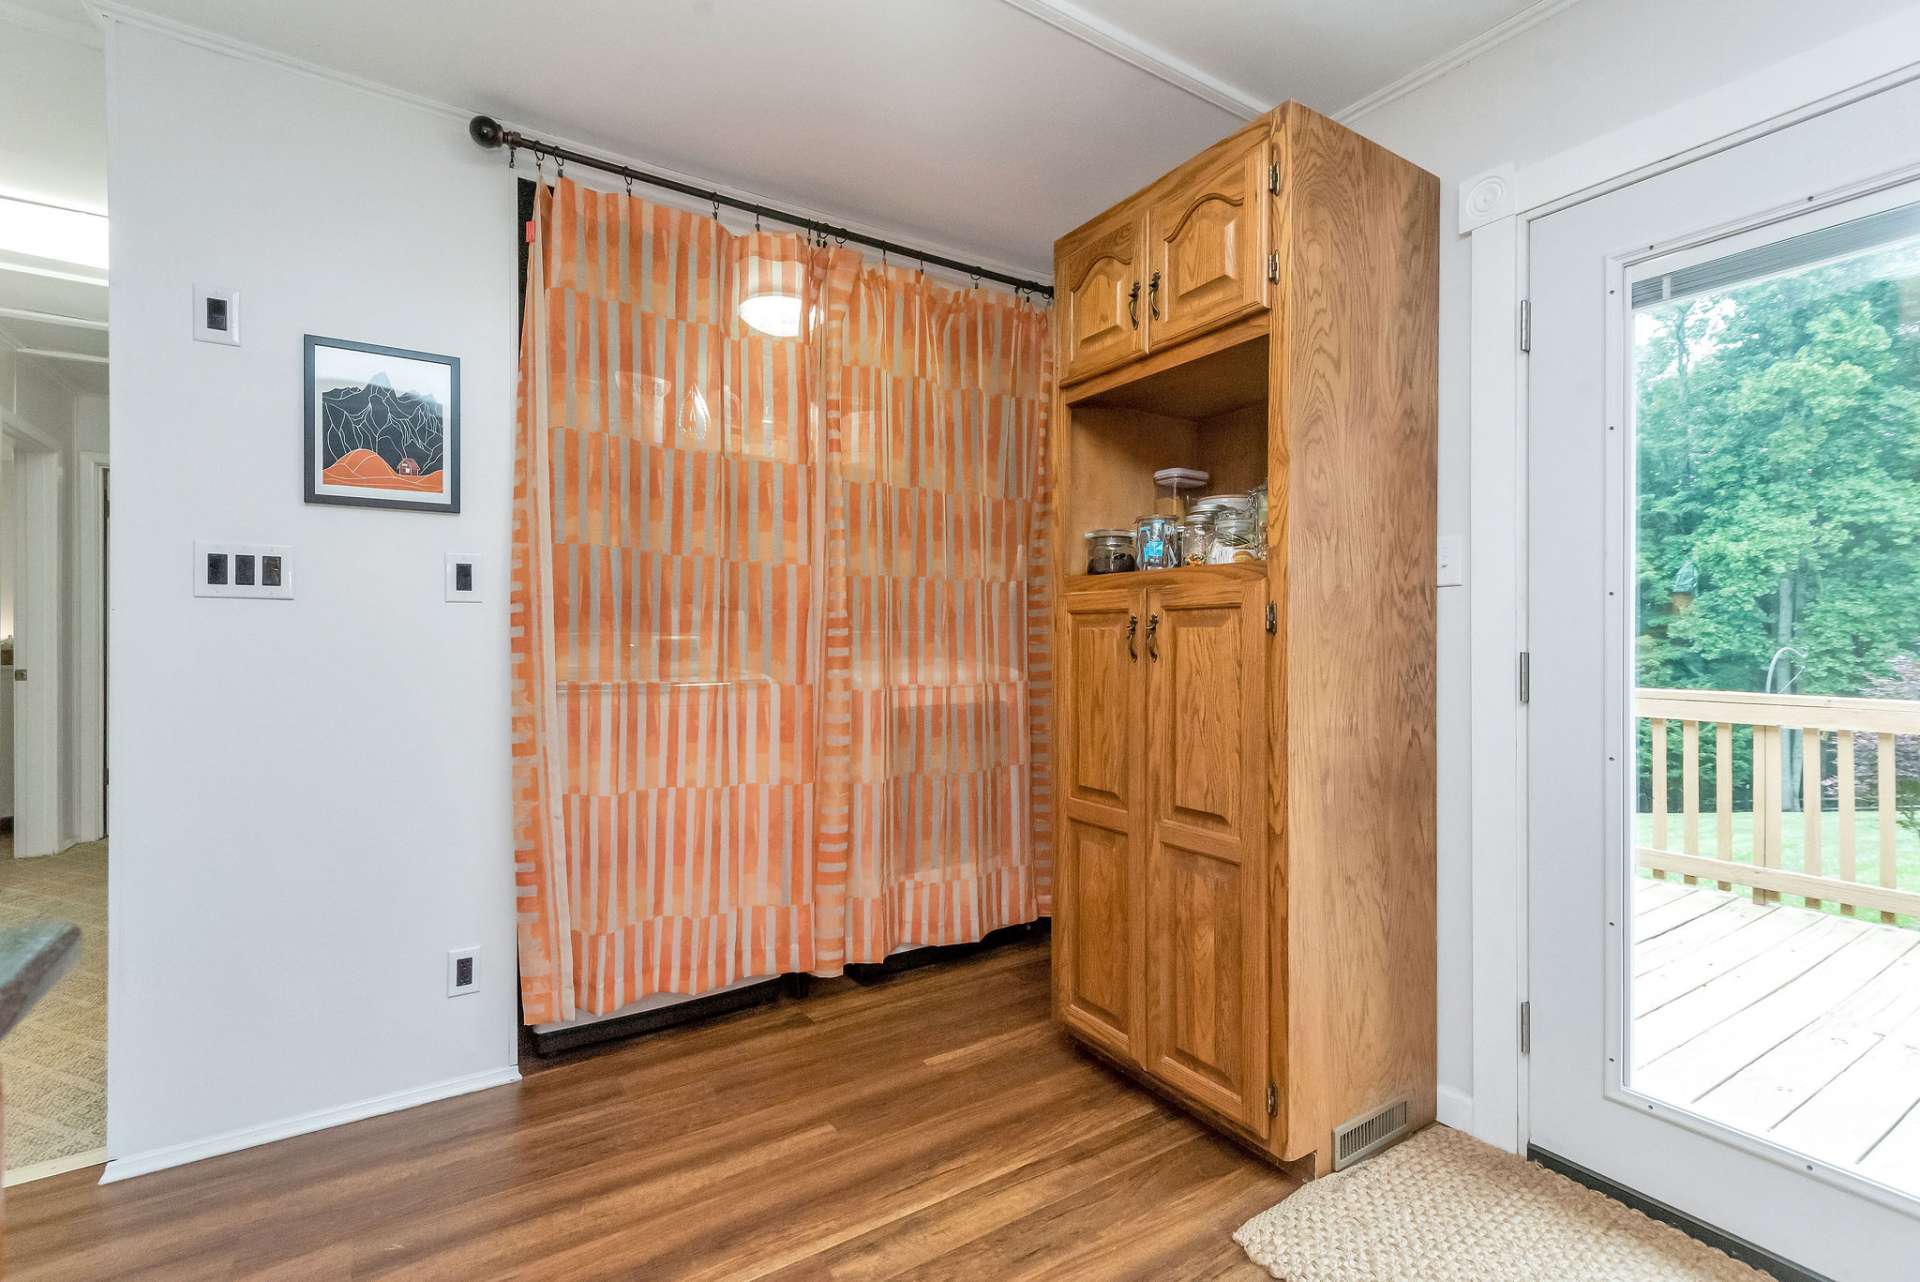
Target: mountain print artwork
382	426
377	438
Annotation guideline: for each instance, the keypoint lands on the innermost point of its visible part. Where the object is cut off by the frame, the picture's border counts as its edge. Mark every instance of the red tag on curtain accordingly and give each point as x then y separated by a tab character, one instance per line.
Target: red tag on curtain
529	231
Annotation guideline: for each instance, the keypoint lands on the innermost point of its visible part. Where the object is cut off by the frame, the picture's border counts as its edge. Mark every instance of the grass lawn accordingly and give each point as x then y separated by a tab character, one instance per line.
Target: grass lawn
1866	847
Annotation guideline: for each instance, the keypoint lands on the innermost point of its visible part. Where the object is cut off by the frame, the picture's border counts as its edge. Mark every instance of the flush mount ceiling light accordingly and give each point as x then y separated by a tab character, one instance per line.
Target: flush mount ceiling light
49	231
775	314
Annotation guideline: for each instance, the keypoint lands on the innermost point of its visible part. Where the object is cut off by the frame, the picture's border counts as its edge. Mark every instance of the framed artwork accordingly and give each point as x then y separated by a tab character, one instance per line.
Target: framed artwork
383	426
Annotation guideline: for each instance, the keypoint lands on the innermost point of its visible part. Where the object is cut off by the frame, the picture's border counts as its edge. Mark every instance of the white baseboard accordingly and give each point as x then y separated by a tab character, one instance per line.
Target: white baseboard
1454	1108
159	1159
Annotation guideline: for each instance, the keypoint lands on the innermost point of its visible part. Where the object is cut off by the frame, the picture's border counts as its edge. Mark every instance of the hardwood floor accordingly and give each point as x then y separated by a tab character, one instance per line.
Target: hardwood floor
935	1126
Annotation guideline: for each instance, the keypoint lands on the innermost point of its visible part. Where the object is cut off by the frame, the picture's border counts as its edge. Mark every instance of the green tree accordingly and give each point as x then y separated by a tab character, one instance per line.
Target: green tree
1779	470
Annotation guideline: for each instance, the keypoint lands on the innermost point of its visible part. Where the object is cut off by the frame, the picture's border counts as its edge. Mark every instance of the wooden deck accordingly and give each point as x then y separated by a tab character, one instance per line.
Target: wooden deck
1798	1026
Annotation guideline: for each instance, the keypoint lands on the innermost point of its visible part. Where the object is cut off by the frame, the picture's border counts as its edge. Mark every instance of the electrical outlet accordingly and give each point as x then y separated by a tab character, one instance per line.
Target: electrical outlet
463	971
463	576
216	315
242	570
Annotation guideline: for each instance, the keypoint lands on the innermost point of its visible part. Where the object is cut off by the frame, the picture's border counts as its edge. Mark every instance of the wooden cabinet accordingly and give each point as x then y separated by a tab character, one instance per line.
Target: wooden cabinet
1244	896
1206	839
1098	929
1207	246
1101	312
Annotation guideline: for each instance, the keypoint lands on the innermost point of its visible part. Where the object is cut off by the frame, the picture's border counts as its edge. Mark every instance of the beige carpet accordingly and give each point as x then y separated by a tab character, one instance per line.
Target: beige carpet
53	1067
1443	1207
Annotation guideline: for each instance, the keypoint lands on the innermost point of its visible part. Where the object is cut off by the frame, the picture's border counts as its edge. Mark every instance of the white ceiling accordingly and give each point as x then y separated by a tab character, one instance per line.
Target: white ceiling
984	128
974	125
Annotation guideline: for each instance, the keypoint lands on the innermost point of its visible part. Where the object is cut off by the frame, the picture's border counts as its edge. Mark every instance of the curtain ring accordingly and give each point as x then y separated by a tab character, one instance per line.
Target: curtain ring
716	209
513	154
976	279
540	166
559	168
756	219
629	178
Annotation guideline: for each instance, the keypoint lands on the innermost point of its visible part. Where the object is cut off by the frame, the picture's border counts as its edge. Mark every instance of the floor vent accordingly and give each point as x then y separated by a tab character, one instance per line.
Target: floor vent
1368	1134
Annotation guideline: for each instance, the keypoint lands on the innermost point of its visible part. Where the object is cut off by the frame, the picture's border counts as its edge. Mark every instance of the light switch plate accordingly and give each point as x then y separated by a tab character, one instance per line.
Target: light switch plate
271	561
459	587
1451	567
216	315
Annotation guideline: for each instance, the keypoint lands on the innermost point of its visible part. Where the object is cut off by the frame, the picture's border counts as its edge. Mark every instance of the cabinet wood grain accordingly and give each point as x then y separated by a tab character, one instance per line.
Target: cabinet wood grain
1102	314
1207	246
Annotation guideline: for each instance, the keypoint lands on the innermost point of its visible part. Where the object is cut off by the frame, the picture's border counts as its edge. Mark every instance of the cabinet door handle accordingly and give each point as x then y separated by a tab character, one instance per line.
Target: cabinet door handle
1153	296
1133	624
1153	644
1133	304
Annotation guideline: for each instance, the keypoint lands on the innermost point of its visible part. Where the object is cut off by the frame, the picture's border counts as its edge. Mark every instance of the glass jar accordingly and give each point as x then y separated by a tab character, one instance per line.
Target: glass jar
1233	537
1196	539
1156	544
1257	497
1110	551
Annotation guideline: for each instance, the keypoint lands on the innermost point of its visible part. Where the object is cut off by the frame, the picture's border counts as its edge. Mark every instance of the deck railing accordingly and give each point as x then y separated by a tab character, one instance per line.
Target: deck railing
1855	874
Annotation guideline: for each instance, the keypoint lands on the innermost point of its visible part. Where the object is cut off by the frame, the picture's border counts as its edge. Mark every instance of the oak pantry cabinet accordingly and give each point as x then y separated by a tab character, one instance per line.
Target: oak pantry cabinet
1244	904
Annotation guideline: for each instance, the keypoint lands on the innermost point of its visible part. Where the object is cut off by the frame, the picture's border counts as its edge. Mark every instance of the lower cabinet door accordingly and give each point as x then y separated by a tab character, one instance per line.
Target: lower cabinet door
1206	948
1098	886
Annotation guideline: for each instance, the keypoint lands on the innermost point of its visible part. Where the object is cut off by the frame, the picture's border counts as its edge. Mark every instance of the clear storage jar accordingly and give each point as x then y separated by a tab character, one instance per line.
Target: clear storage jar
1156	543
1233	536
1110	551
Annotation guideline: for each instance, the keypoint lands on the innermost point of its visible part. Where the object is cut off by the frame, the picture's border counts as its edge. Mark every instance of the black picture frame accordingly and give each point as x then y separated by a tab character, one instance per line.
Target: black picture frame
316	485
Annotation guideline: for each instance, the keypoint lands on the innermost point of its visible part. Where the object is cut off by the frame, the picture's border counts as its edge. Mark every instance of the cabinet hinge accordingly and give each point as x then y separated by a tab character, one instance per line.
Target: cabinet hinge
1273	1099
1273	180
1526	1028
1273	618
1273	268
1526	676
1526	324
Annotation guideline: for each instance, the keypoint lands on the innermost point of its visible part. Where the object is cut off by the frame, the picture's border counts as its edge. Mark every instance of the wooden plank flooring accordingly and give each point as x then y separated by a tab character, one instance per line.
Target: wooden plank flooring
935	1126
1798	1026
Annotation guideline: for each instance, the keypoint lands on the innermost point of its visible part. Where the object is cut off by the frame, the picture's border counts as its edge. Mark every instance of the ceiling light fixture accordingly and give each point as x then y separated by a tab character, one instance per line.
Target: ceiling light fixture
51	232
777	315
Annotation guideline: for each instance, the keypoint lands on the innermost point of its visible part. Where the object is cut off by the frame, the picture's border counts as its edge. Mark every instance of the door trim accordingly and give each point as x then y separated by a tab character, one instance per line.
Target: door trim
1496	210
90	650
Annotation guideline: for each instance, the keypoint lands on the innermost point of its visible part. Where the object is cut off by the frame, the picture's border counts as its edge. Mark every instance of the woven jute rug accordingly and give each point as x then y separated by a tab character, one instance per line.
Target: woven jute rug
1443	1207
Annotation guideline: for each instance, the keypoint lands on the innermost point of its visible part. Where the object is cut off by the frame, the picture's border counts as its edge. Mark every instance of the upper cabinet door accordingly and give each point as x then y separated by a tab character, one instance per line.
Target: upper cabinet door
1099	277
1207	245
1204	646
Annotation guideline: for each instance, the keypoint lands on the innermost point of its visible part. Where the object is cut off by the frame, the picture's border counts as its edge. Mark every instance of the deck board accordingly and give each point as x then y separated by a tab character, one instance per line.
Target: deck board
1797	1026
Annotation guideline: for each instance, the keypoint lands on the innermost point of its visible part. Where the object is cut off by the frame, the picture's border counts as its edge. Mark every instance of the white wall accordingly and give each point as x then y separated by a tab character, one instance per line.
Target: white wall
310	797
1593	68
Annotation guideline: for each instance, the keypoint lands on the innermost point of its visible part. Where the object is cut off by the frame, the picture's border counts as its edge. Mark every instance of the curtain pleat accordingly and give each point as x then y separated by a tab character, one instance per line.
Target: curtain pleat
779	610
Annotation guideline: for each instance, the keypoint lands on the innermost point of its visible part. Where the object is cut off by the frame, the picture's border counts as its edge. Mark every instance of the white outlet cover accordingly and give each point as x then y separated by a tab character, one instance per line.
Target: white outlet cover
454	956
1451	565
202	332
454	561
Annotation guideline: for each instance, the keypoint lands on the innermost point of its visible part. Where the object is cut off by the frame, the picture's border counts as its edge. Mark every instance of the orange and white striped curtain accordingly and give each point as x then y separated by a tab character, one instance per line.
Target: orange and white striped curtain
779	622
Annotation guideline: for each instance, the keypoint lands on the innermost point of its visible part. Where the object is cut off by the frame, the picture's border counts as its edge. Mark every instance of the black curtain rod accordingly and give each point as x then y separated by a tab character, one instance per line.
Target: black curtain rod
490	133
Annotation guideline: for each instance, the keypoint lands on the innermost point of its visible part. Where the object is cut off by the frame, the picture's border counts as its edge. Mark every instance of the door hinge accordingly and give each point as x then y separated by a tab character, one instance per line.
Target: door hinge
1526	676
1526	324
1273	618
1526	1028
1273	1100
1273	268
1273	180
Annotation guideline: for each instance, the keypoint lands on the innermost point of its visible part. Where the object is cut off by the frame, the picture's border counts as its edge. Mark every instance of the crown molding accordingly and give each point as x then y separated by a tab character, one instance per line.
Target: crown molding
110	11
1531	16
1150	58
86	33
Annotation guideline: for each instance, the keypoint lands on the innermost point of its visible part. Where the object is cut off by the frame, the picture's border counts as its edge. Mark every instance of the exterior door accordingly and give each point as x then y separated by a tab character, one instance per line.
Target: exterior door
1206	901
1103	316
1098	925
1725	1030
1207	243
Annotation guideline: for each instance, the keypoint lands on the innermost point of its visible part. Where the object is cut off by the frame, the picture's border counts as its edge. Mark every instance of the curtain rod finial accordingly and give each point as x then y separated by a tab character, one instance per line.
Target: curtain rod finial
486	131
